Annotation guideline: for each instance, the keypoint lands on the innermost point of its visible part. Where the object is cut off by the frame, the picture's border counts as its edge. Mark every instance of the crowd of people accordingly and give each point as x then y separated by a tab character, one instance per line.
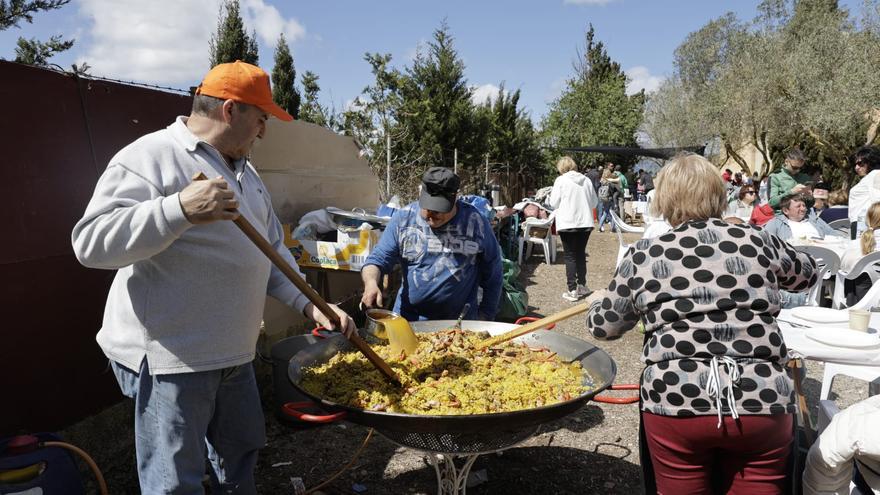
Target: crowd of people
183	314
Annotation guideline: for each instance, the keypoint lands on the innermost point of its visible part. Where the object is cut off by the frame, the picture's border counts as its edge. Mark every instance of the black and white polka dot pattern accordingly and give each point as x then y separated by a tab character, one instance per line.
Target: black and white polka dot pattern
706	289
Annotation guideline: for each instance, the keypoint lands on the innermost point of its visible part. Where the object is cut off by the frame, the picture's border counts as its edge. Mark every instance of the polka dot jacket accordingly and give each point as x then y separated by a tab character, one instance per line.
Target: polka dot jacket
708	294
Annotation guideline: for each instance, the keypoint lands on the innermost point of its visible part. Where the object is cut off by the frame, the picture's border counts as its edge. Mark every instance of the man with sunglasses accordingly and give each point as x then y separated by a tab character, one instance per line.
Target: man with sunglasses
447	252
790	180
867	192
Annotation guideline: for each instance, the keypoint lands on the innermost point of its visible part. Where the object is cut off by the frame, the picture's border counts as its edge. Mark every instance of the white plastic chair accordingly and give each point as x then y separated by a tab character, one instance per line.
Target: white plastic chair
538	232
870	300
828	263
621	225
841	225
870	374
869	263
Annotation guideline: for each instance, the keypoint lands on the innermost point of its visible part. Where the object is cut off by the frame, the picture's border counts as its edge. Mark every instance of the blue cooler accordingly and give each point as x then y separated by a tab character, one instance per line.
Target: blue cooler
24	466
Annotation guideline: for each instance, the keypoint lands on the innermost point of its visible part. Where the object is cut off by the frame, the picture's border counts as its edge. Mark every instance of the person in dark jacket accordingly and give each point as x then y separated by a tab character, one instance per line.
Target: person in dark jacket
837	206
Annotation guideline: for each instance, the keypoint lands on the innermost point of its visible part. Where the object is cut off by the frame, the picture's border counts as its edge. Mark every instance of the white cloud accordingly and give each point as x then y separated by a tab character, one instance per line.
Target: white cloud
587	2
479	94
269	23
640	77
166	41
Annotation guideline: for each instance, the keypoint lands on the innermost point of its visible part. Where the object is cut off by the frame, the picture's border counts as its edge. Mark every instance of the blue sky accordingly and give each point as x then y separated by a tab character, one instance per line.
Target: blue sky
528	45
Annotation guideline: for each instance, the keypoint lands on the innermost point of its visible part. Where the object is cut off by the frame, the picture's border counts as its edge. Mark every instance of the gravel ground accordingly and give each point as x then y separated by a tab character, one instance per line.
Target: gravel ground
592	450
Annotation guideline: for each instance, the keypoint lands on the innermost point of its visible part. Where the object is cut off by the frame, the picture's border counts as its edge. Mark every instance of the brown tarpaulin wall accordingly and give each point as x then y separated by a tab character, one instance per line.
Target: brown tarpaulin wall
58	132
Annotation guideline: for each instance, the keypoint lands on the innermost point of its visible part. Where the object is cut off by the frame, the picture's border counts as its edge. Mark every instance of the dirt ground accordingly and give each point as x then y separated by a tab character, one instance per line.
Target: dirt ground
593	450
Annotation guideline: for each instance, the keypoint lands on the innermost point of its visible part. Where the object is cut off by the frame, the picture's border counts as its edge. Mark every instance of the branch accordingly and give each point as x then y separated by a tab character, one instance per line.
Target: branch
18	11
828	145
733	154
874	117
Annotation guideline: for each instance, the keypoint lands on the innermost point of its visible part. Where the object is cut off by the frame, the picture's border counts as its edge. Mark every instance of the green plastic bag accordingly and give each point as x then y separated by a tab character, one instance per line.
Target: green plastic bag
514	298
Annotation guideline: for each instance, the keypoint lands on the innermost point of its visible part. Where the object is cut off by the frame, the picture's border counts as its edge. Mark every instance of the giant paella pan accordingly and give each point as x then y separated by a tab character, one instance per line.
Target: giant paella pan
460	434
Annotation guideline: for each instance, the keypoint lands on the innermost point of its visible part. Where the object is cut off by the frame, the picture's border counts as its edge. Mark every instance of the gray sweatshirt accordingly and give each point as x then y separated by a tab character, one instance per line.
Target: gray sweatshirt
187	297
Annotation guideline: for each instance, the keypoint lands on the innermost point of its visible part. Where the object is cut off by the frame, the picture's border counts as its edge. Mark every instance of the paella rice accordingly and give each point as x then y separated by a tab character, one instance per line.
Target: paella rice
449	375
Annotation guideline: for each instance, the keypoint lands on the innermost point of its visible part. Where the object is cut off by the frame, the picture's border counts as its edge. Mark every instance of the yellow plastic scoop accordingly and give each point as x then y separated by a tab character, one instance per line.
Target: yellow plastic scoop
400	335
396	329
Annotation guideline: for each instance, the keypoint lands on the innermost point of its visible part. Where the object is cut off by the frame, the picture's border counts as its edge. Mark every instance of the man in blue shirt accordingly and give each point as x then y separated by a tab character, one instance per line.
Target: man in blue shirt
446	250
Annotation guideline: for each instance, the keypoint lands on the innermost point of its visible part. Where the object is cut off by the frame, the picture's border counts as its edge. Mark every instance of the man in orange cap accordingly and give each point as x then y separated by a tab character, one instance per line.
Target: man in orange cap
183	314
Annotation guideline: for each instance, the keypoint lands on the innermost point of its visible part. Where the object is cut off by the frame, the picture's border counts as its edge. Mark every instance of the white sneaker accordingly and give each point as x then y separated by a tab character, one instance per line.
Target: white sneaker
583	291
571	295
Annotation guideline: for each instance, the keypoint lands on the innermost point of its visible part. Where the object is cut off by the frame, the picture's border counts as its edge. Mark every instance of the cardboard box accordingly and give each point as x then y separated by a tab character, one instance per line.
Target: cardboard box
348	253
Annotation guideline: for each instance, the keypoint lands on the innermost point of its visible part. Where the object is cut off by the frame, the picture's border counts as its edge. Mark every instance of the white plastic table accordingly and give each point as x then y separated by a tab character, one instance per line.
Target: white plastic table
799	345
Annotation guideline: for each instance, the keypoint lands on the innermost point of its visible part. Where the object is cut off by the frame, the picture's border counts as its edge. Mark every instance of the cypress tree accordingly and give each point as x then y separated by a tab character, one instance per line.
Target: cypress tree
284	91
230	42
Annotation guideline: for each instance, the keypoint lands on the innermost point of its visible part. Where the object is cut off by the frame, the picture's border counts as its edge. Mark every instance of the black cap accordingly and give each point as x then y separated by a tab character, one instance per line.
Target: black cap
439	188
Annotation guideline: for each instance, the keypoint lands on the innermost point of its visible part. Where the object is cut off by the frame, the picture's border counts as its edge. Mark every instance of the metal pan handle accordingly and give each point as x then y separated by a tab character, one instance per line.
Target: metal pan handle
323	333
292	409
525	319
619	400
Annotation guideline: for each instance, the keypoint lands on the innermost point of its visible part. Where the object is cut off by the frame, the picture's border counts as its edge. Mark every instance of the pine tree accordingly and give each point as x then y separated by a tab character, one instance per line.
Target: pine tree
252	56
436	115
311	110
230	42
284	91
15	11
37	53
33	51
594	109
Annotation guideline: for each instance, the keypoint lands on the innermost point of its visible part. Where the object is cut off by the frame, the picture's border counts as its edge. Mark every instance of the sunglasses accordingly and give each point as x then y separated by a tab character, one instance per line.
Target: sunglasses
861	163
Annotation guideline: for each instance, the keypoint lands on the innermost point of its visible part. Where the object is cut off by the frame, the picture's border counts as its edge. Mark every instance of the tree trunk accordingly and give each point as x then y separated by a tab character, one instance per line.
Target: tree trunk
736	156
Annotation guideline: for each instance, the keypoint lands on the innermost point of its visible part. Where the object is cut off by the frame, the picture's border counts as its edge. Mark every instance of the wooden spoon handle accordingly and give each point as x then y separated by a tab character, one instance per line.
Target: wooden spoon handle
310	293
531	327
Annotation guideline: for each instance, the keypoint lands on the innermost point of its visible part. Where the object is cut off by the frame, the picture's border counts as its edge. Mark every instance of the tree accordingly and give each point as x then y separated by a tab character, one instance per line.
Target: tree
12	13
425	112
436	117
230	42
511	139
311	109
371	120
33	51
594	108
38	53
800	74
284	92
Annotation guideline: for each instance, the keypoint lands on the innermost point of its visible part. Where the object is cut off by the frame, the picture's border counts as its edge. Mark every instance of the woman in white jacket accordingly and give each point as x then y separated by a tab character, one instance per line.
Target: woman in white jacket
867	191
573	199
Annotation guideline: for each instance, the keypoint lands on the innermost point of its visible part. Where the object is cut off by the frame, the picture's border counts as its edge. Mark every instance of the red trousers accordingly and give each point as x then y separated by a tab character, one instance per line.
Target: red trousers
746	456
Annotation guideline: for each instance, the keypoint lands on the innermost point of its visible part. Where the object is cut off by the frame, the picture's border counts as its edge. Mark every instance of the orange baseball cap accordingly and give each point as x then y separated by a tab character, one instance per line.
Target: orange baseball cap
242	82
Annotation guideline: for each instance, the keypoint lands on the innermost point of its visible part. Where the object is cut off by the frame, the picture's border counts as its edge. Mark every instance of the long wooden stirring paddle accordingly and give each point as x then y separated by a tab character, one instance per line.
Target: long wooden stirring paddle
309	292
531	327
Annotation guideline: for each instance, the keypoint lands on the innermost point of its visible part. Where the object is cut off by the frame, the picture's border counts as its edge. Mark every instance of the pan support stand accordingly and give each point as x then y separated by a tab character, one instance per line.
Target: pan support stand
451	479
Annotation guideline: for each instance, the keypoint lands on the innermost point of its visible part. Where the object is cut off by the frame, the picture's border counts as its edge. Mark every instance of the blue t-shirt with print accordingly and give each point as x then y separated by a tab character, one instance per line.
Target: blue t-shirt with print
442	268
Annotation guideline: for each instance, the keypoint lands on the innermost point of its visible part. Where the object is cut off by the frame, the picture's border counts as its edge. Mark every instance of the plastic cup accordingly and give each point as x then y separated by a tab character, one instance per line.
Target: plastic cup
859	319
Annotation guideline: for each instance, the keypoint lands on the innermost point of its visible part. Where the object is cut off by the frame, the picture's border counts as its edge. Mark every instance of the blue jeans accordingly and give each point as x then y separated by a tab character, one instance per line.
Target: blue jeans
604	212
181	418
